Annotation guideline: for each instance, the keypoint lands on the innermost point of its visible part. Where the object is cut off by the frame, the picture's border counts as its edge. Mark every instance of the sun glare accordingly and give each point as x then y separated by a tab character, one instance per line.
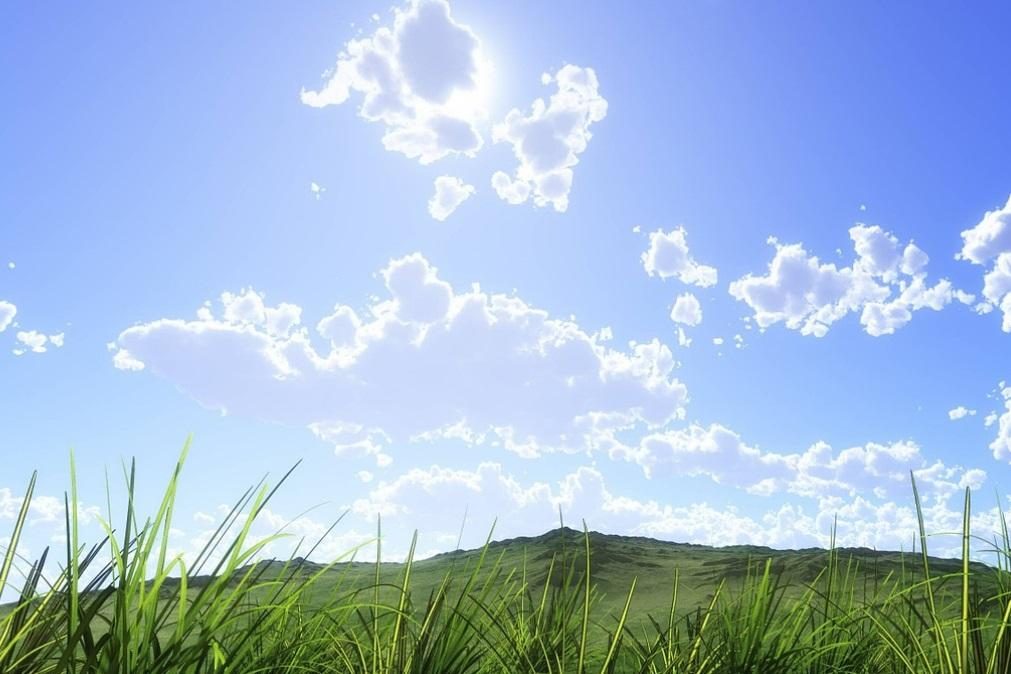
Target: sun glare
475	101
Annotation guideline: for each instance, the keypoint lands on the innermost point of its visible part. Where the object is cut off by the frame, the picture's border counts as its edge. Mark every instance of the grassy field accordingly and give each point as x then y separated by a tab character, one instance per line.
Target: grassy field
566	601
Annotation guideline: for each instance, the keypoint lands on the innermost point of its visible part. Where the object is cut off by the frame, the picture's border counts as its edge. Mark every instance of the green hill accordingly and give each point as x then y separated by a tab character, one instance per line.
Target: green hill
616	560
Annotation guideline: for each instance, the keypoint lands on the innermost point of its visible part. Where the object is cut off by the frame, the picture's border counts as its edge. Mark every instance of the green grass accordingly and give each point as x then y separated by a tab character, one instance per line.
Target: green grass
566	601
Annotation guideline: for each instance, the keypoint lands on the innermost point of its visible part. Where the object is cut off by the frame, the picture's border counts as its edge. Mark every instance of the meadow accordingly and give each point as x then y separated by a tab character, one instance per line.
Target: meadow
566	601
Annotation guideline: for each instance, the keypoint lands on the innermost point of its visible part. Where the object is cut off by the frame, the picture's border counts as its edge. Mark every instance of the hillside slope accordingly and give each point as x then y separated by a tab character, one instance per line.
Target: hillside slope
616	560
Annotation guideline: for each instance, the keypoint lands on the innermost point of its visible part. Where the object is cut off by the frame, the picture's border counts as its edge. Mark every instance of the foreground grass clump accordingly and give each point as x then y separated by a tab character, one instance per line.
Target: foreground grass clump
564	602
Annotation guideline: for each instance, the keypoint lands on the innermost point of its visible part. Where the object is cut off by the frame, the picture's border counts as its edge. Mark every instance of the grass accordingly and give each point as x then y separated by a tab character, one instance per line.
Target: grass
566	601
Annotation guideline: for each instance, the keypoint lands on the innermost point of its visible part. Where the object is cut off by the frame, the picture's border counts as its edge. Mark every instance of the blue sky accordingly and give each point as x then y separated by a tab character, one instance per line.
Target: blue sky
158	157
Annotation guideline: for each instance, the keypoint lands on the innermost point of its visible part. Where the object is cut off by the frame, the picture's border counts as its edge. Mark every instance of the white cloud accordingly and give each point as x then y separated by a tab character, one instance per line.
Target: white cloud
42	509
7	313
718	341
989	238
511	191
547	142
489	492
317	190
341	327
997	289
450	192
427	360
37	342
425	493
668	256
424	78
122	360
1001	445
886	283
722	455
687	310
960	412
990	242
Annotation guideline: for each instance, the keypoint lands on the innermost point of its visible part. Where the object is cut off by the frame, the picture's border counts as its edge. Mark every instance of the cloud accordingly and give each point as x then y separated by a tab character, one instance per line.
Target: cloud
668	256
7	313
317	190
989	238
547	142
426	362
1001	445
450	192
37	342
885	283
960	412
425	79
489	493
42	509
721	454
989	242
424	494
686	310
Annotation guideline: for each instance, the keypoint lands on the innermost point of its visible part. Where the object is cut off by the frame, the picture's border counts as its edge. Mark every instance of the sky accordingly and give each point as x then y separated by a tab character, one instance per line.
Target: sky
711	272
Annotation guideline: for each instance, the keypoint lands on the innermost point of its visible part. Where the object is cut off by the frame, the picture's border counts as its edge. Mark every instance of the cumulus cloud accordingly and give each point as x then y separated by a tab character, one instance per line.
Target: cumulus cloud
1001	444
424	78
989	238
989	243
960	412
490	492
687	310
450	192
43	509
36	342
722	455
668	257
885	284
547	142
7	313
428	361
